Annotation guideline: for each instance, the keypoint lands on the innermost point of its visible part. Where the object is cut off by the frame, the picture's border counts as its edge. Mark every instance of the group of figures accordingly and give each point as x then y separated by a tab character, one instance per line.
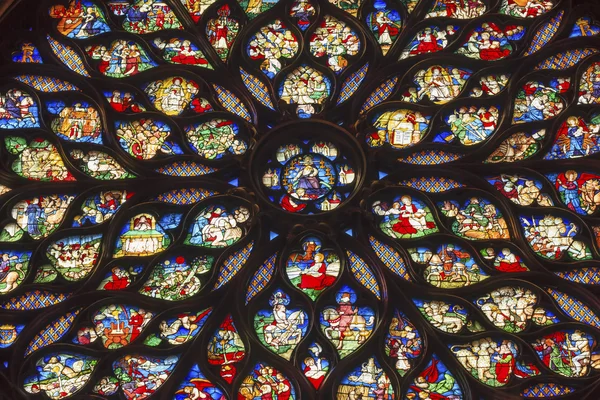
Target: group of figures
405	218
307	88
273	44
18	109
336	41
448	267
209	200
121	59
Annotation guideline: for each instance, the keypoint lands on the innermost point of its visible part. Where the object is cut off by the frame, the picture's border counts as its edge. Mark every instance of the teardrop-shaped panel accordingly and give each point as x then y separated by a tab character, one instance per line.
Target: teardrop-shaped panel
436	381
123	102
216	138
106	386
75	257
39	216
490	85
143	139
404	216
447	317
117	325
161	283
403	343
133	372
430	39
79	19
76	122
313	269
315	367
226	349
302	12
306	87
575	138
457	9
335	40
222	31
553	237
385	24
550	349
476	219
207	228
368	380
197	8
448	267
182	51
171	95
527	8
504	259
67	371
38	160
350	6
521	190
112	61
486	42
147	16
588	85
273	46
398	128
440	84
141	236
346	325
281	328
509	308
100	207
518	146
99	165
197	385
181	328
279	387
481	123
253	8
497	355
538	102
119	278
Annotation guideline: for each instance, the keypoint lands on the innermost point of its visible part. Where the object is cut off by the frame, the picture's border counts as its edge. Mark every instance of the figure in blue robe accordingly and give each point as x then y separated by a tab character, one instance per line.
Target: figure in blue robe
34	214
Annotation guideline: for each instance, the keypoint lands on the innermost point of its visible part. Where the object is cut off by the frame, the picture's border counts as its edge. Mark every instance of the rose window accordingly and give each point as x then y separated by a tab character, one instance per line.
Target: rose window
300	199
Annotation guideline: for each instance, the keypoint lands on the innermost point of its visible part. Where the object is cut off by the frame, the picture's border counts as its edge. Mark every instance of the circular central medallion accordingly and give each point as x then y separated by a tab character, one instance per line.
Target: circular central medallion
307	167
309	177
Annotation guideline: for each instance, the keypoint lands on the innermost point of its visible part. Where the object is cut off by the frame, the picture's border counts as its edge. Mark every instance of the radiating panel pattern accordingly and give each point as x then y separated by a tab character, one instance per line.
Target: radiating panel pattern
300	199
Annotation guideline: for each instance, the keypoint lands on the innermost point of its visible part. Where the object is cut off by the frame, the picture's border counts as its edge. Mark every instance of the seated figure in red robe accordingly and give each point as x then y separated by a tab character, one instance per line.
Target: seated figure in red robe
315	276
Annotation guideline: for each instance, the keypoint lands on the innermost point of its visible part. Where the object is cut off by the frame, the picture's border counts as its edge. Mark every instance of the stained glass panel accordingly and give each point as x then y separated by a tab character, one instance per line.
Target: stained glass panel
300	199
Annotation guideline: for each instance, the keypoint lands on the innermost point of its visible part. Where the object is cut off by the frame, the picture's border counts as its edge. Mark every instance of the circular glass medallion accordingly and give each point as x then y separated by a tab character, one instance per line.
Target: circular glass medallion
312	168
309	177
